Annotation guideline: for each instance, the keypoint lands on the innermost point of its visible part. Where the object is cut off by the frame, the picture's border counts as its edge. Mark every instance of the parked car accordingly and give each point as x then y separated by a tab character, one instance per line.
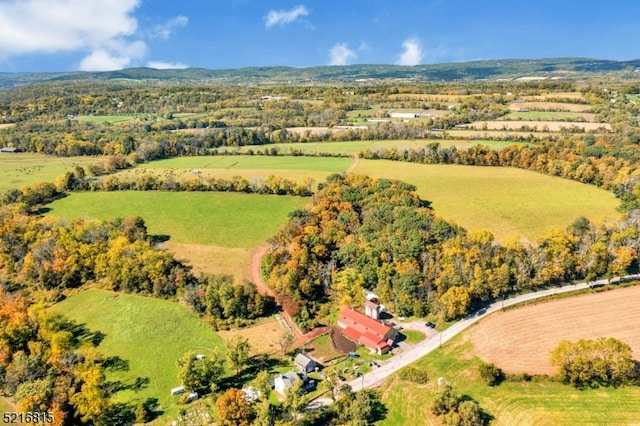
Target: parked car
430	325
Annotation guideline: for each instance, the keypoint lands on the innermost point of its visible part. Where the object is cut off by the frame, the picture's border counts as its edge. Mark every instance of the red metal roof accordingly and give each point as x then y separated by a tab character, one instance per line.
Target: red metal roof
364	329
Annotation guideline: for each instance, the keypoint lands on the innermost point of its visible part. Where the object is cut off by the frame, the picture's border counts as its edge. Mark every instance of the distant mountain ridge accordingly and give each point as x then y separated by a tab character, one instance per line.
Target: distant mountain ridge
476	70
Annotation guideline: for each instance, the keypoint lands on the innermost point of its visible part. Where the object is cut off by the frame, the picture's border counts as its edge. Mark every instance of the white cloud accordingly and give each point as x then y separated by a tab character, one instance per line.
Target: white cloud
31	26
160	65
281	17
105	31
411	53
164	30
341	54
114	55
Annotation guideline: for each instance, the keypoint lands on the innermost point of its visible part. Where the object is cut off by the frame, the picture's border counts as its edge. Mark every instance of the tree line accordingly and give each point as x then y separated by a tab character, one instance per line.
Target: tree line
371	234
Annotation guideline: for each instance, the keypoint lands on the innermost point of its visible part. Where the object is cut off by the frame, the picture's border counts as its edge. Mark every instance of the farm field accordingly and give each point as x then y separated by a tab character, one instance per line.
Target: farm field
550	116
21	169
553	126
498	199
211	218
550	106
6	125
148	333
253	162
556	96
500	134
113	119
511	403
354	147
519	340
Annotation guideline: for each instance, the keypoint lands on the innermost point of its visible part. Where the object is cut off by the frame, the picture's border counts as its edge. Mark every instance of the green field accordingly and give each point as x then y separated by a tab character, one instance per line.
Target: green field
549	116
254	162
510	403
253	168
211	218
23	168
149	333
113	119
354	147
506	201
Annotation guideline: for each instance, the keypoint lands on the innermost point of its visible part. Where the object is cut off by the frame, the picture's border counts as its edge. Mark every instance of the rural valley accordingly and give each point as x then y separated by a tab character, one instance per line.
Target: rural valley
452	244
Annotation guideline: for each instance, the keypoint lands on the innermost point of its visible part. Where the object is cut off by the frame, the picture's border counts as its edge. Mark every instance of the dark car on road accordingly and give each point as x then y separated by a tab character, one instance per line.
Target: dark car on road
430	325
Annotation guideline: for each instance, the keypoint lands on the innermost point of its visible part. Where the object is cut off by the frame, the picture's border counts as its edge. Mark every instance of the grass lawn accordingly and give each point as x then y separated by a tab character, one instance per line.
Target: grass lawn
21	169
413	336
510	403
506	201
210	218
149	333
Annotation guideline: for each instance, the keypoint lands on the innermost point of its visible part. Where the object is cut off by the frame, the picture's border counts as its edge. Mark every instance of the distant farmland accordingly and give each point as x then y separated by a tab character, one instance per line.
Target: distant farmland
354	147
21	169
553	126
506	201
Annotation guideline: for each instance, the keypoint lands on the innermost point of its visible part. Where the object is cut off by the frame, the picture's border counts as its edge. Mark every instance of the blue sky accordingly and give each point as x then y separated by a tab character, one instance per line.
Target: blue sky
67	35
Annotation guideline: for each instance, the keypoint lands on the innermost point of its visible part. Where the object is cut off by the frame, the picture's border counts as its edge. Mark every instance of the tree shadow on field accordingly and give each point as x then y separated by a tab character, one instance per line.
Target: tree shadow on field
160	238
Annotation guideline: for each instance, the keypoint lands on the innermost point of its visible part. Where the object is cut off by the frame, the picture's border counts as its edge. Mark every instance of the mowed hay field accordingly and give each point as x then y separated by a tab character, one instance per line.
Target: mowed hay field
519	340
505	201
534	403
149	334
21	169
232	220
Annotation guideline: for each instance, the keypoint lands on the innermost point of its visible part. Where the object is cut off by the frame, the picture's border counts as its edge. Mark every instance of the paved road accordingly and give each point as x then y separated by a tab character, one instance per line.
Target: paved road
376	377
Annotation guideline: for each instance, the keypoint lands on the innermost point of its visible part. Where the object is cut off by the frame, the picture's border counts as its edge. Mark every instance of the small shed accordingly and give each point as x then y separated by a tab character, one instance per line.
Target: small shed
192	396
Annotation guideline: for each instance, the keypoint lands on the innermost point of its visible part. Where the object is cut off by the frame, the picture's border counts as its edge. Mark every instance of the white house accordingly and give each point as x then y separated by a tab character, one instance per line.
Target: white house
284	382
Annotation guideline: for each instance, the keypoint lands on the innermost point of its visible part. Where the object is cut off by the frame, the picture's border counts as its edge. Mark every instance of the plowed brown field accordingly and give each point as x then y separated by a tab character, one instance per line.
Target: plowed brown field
520	340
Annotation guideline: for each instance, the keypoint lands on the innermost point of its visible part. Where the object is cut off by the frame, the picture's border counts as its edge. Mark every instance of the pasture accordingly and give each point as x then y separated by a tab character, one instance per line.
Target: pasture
21	169
520	340
209	218
499	199
511	403
148	334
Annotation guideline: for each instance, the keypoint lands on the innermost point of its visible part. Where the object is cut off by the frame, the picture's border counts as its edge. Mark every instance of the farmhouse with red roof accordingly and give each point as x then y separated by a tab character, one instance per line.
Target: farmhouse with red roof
360	328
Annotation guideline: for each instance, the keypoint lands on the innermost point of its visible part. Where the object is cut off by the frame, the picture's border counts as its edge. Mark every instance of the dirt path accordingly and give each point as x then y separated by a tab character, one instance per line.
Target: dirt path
263	288
300	338
352	167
